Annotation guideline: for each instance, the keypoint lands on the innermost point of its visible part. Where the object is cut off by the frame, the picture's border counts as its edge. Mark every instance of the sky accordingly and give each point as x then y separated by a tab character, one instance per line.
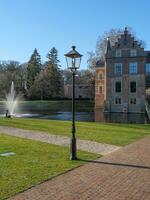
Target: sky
42	24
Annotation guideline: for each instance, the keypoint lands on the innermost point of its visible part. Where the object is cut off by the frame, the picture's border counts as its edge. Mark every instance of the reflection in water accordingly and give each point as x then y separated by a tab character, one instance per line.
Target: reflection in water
98	116
89	117
79	116
134	118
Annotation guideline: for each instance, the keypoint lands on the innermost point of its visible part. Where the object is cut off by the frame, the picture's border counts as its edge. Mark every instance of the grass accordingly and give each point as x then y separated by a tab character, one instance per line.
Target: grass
116	134
33	163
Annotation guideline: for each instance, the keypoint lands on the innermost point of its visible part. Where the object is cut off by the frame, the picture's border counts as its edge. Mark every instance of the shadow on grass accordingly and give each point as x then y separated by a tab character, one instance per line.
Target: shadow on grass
115	164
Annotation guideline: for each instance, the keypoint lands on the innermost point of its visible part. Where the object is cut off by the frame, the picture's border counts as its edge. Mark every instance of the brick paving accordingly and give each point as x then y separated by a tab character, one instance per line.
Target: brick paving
121	175
93	147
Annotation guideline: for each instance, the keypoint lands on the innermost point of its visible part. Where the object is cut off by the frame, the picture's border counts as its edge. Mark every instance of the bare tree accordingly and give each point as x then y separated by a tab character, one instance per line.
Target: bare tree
92	59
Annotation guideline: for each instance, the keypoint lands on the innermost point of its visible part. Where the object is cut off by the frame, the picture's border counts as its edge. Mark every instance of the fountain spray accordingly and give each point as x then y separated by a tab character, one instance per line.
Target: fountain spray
11	101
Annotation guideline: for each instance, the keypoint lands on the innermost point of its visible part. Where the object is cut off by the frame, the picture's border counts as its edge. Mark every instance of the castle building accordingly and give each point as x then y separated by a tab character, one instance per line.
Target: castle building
122	79
82	91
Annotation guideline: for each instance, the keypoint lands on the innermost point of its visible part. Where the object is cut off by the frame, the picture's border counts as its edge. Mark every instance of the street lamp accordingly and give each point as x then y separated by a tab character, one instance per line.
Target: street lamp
73	59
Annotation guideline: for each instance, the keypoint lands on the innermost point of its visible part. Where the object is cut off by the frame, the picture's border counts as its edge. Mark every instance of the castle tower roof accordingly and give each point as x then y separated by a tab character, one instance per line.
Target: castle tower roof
108	47
126	31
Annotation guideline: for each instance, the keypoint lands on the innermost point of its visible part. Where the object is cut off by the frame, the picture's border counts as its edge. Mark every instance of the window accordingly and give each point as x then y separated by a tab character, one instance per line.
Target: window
118	53
118	69
125	42
133	87
96	89
133	101
100	89
118	100
147	68
100	77
133	68
133	52
118	87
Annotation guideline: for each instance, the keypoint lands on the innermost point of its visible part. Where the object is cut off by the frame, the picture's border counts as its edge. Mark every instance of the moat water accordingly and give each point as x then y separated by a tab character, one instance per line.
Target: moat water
98	116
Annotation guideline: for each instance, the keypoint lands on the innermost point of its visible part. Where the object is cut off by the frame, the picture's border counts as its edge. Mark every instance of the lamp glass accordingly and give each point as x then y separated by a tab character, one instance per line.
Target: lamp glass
73	63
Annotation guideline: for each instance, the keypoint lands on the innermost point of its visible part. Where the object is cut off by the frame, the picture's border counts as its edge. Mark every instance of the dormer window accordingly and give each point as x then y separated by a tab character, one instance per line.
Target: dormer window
118	53
133	52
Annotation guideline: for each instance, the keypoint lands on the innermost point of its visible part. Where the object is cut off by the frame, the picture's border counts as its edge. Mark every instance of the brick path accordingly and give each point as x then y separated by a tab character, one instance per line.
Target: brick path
121	175
93	147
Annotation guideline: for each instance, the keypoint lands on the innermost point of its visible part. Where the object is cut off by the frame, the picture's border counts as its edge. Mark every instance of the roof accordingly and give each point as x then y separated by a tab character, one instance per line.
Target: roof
148	53
100	63
73	53
108	47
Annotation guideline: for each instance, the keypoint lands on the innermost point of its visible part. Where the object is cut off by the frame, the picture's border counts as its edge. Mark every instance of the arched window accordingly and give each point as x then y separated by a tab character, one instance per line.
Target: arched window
100	76
100	89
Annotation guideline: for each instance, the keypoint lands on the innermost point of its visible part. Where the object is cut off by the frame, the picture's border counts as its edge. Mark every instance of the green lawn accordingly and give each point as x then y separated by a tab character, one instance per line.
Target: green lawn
33	163
117	134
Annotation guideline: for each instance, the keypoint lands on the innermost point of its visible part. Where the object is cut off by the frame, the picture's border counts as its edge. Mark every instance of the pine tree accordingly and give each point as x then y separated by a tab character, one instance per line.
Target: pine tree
48	83
53	57
33	68
55	77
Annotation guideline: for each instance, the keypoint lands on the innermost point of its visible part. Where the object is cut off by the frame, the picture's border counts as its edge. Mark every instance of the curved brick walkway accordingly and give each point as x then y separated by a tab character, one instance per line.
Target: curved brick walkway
121	175
93	147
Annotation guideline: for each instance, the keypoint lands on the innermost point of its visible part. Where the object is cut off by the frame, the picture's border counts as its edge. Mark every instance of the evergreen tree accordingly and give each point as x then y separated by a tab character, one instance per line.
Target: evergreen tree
48	83
53	57
33	68
55	77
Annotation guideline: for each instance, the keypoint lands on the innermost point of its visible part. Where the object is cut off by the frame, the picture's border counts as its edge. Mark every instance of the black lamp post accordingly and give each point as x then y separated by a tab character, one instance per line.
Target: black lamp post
73	59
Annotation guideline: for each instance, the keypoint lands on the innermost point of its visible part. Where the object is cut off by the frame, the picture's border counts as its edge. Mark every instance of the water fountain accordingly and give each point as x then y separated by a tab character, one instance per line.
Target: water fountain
11	101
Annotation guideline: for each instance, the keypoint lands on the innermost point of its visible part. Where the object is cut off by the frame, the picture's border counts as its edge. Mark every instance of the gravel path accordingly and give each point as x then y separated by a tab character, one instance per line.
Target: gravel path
93	147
